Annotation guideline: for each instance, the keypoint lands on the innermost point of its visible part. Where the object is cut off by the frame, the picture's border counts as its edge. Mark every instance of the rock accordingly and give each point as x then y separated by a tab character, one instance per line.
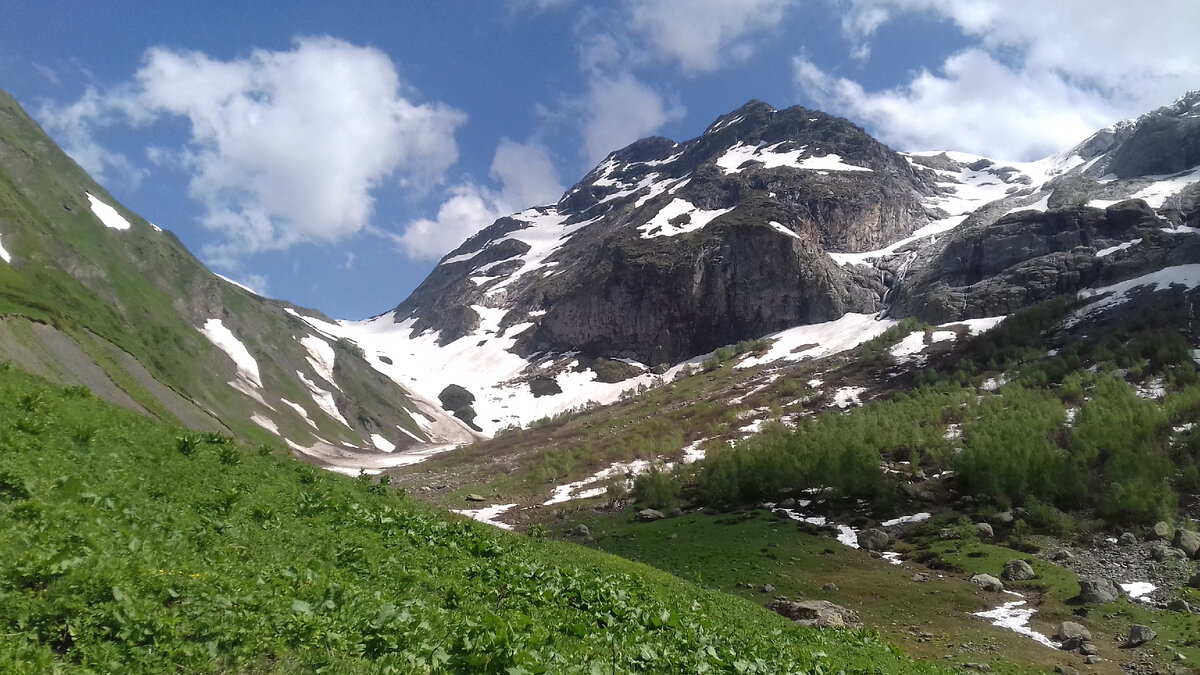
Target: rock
1194	580
788	503
1164	552
1088	649
1003	518
920	577
1065	670
977	666
1070	629
768	588
1073	635
1160	532
1092	659
1017	570
816	613
1179	605
948	533
984	530
988	583
648	515
1093	589
1140	635
873	540
581	530
475	498
1061	555
830	588
1187	541
1127	539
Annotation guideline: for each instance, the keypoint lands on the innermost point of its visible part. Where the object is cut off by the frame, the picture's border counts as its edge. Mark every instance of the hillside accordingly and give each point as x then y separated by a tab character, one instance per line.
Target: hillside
134	546
92	294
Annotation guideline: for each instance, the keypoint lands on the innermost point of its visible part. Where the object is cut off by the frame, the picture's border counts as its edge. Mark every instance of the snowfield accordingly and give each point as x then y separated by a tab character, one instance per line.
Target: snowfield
107	214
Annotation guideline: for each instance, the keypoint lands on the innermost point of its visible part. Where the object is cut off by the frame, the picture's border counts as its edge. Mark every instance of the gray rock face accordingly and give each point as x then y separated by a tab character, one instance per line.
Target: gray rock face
617	293
1070	629
988	583
873	540
1160	532
984	530
1092	589
816	613
1017	570
1187	541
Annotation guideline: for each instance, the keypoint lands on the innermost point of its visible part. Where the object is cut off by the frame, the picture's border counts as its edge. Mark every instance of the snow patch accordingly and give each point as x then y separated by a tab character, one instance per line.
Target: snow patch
265	423
488	514
1015	617
5	254
567	492
107	214
224	339
321	357
1186	275
299	411
735	157
820	339
848	396
382	443
660	225
323	398
1139	590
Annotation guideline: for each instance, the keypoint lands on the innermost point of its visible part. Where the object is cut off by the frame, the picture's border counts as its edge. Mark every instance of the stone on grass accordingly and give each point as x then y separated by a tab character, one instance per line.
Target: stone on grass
1094	589
1187	541
1127	539
1017	570
984	530
816	613
1073	635
1140	635
1160	531
988	583
648	515
476	498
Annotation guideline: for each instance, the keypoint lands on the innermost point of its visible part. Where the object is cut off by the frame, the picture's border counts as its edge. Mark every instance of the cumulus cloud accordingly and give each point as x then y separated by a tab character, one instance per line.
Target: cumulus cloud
620	109
1039	76
701	36
524	175
285	146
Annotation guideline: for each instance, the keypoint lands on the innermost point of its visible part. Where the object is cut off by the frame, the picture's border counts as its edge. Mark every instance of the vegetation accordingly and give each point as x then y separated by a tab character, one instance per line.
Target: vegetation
129	546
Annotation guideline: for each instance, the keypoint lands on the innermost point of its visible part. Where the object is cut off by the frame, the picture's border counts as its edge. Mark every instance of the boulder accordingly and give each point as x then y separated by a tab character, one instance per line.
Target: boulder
581	530
1163	552
475	498
1179	605
1140	635
1127	539
873	540
768	588
1017	570
1194	581
984	530
648	515
1160	531
816	613
1003	518
1061	555
1187	541
988	583
1073	635
788	503
1094	589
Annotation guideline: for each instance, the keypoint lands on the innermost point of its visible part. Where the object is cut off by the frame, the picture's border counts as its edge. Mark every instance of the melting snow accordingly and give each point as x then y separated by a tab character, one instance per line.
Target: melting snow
5	254
1187	275
564	493
223	338
741	153
488	514
1139	590
660	225
265	423
321	357
299	411
820	339
778	227
1013	616
382	443
107	214
244	287
904	520
323	398
1156	193
848	396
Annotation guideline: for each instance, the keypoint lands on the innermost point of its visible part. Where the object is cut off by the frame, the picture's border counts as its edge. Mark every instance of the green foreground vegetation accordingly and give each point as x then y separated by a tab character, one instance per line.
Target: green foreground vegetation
130	546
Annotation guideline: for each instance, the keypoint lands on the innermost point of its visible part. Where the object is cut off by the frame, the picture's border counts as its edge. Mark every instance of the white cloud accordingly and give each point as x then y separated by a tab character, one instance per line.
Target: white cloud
1039	76
75	124
526	177
620	109
284	146
703	35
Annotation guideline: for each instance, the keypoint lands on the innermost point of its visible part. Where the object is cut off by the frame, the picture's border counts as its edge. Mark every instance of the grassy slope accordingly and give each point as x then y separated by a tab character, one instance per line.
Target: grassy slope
127	549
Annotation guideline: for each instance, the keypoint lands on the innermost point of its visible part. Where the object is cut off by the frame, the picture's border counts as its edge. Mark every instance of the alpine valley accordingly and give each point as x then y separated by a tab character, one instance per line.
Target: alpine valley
934	411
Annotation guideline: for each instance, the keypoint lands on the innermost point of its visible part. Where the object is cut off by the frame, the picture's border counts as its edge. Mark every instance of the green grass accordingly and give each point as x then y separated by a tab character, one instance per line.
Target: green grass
131	546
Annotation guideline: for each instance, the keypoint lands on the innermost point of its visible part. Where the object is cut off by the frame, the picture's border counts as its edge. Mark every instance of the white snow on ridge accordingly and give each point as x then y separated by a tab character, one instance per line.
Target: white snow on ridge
224	339
740	154
265	422
660	225
1015	617
5	254
1105	252
820	339
1156	193
242	286
1186	275
299	411
107	214
488	514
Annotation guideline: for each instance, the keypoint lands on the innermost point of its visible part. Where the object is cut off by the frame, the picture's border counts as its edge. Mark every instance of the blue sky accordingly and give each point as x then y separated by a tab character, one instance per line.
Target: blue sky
329	153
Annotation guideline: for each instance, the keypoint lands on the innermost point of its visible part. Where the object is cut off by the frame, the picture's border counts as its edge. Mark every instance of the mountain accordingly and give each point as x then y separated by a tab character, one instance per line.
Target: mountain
771	220
94	295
